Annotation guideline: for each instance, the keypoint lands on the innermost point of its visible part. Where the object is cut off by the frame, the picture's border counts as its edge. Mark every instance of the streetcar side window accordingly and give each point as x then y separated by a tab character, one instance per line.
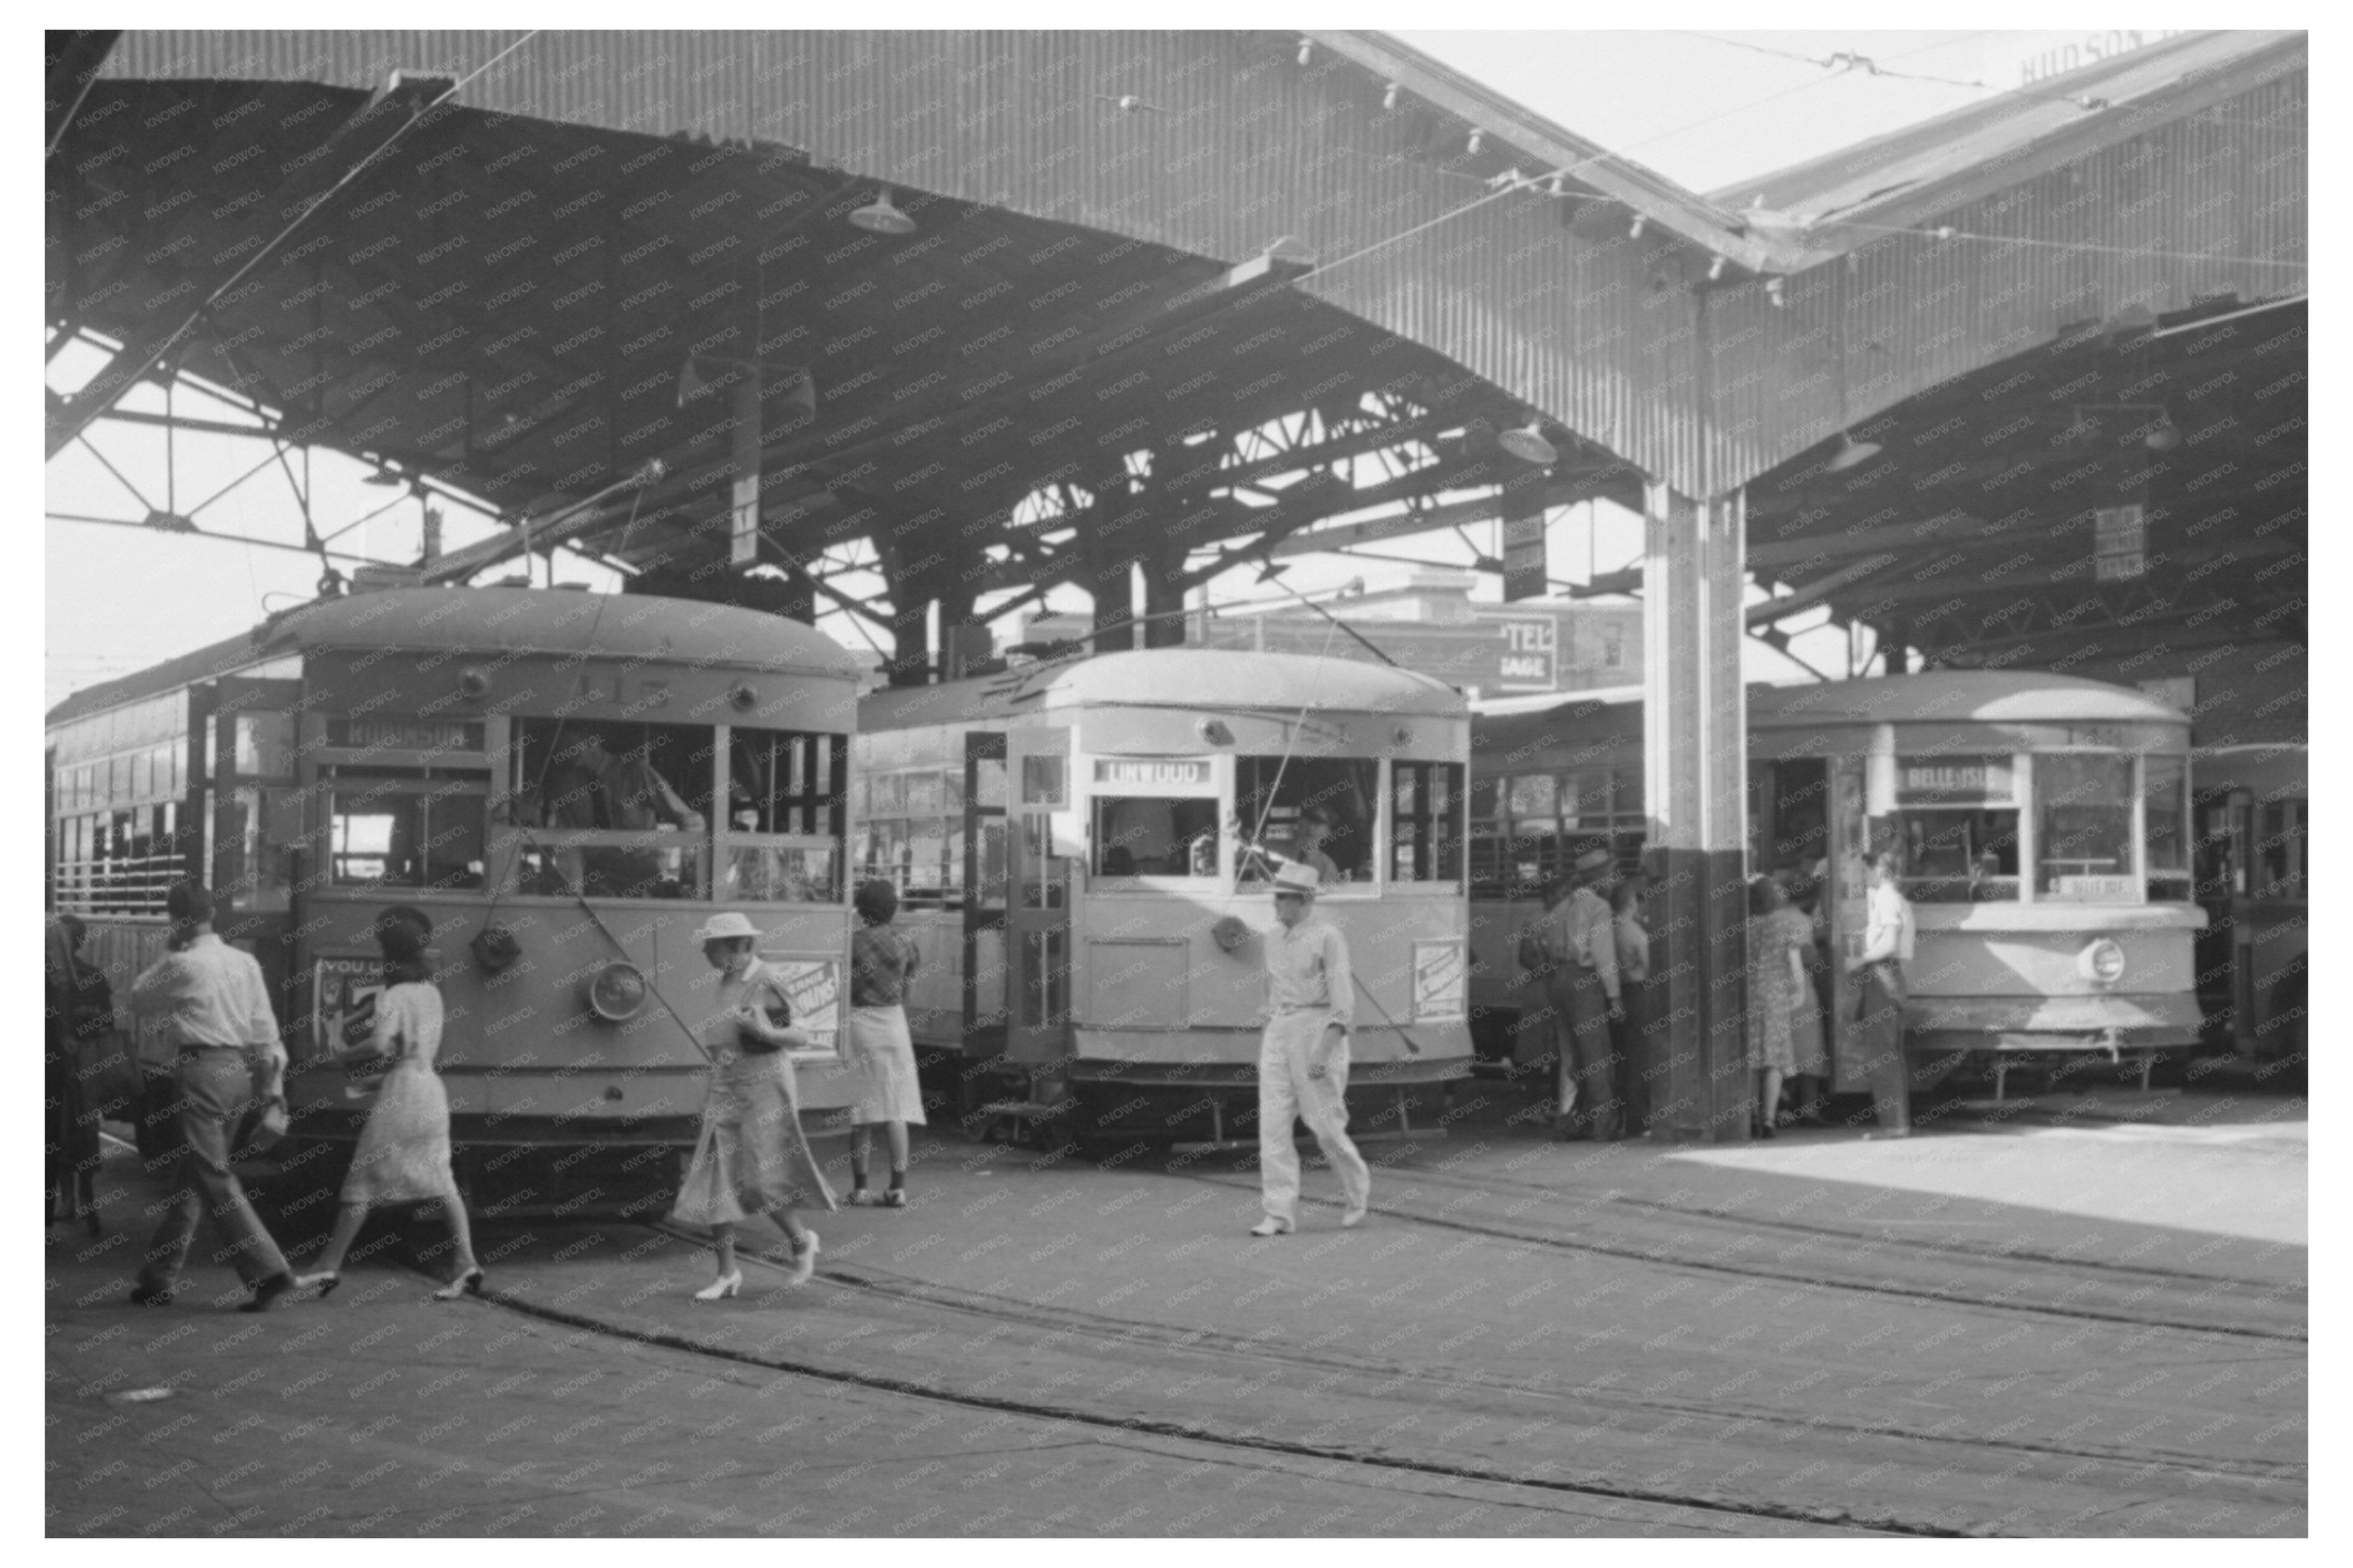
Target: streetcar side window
911	834
2083	827
1318	810
1425	822
1958	821
2279	850
2165	835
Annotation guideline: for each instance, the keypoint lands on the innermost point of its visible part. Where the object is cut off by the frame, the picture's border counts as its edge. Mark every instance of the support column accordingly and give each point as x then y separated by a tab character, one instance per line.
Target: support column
1163	564
1694	735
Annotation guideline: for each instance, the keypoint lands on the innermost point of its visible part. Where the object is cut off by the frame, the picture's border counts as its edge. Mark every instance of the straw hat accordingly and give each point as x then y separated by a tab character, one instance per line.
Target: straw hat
1296	877
724	927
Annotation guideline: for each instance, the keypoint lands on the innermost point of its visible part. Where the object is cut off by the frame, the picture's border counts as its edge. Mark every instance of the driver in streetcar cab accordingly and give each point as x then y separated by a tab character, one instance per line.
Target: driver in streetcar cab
589	786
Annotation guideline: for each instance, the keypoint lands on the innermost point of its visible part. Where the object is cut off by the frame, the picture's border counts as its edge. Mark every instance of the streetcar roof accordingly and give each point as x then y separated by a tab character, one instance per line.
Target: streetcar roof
1940	696
498	620
1203	679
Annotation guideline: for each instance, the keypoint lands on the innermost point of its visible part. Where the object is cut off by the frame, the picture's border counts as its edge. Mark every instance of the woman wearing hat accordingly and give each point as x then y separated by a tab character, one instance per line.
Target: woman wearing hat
403	1155
751	1158
882	959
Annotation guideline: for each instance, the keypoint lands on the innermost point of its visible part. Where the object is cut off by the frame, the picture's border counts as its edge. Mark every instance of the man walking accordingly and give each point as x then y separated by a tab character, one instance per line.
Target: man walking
1888	941
1303	1058
217	1009
1581	938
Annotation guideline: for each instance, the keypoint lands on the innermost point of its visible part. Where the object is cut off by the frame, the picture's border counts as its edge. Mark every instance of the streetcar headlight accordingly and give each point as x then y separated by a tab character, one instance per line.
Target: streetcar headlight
2101	962
616	993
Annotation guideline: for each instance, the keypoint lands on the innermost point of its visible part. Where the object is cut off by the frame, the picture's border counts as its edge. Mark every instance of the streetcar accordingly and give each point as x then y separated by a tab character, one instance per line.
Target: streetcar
1082	851
565	783
2253	812
2041	823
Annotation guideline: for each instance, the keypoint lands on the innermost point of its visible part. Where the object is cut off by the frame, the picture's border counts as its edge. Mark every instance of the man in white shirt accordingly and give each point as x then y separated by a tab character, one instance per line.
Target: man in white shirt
216	1007
1303	1059
1579	937
1887	943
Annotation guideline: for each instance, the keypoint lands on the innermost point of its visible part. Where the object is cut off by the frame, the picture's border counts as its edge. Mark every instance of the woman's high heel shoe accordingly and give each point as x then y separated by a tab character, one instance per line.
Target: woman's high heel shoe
324	1282
719	1289
469	1283
805	1258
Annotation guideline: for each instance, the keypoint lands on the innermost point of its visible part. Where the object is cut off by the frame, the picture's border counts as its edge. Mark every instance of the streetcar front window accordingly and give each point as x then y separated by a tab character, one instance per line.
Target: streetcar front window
785	796
1146	836
613	809
2165	833
1317	810
1425	822
1154	817
2083	827
404	829
1958	821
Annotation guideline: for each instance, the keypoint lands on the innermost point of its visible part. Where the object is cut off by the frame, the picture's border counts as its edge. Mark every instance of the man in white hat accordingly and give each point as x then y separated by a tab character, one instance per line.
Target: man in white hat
1580	935
1303	1058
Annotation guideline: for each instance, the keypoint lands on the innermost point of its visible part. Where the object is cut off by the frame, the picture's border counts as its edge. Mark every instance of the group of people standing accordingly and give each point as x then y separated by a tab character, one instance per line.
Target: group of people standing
1586	1033
750	1157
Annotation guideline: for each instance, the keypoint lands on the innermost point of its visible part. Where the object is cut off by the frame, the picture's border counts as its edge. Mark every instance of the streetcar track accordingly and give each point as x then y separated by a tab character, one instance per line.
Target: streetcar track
1880	1288
1963	1249
1191	1432
1929	1248
1065	1319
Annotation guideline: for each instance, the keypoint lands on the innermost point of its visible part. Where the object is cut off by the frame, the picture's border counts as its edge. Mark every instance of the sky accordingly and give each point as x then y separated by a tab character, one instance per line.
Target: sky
1706	110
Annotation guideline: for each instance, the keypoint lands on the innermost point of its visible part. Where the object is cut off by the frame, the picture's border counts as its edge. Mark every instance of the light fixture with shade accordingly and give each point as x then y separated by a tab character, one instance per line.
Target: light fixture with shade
2159	435
1526	442
1716	267
879	216
1389	95
1634	231
1851	454
1306	50
1478	139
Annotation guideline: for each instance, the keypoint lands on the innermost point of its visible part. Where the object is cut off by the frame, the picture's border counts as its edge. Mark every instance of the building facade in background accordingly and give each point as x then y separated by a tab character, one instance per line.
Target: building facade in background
1430	625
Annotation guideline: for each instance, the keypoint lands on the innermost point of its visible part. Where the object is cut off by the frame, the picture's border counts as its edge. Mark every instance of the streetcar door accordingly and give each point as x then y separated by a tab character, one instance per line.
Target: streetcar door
987	877
1037	910
254	823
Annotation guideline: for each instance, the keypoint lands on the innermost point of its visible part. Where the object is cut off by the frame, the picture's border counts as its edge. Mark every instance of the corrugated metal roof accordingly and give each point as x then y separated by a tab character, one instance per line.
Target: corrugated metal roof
1625	342
2010	137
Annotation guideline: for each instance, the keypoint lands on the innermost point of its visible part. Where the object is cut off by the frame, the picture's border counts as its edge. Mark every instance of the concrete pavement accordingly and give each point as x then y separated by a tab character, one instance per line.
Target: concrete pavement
1807	1335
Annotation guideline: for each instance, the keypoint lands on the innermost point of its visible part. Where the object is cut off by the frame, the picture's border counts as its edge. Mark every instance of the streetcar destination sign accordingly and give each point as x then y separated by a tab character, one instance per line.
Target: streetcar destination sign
1956	780
1152	773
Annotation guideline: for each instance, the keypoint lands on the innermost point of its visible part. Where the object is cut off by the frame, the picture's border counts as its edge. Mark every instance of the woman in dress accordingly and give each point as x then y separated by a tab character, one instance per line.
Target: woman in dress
1772	996
404	1150
1638	1054
752	1157
1809	1051
881	1052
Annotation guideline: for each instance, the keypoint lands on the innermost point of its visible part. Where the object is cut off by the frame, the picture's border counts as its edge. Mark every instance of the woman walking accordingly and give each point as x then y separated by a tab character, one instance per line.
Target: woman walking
751	1158
882	1053
1772	996
404	1150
